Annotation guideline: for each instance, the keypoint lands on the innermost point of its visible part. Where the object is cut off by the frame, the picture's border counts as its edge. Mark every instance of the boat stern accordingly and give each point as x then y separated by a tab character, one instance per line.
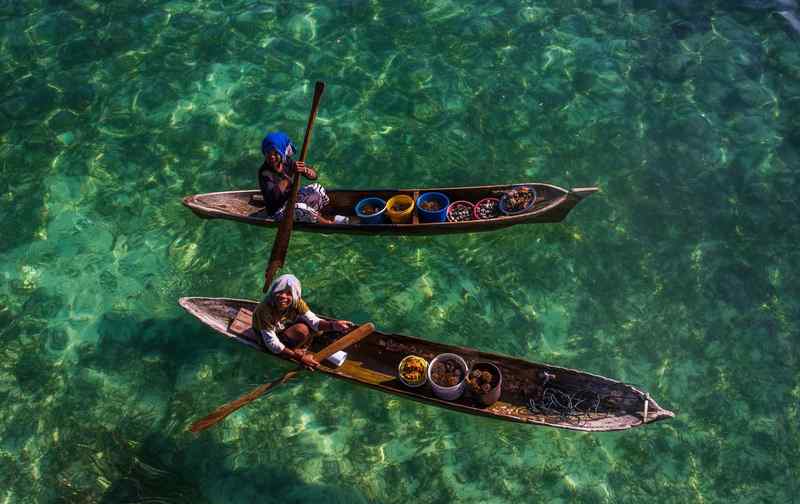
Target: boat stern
582	192
653	412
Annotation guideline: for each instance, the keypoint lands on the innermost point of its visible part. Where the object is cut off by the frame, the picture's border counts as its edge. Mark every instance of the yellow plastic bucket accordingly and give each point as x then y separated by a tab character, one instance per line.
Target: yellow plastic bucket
405	205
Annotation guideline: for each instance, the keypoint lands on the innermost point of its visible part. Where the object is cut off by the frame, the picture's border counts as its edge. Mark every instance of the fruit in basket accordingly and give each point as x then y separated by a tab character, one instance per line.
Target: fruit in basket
518	199
412	369
412	376
460	212
487	209
431	206
480	381
447	373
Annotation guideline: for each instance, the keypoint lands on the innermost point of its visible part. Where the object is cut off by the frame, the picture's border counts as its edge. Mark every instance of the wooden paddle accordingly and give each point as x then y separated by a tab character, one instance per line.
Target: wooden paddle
220	413
281	245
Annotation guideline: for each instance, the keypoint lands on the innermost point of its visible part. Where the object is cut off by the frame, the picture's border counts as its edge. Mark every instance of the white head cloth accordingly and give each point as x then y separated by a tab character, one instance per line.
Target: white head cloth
281	284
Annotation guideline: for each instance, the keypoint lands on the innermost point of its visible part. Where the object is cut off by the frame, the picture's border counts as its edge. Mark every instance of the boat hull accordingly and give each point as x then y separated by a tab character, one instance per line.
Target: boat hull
373	362
553	205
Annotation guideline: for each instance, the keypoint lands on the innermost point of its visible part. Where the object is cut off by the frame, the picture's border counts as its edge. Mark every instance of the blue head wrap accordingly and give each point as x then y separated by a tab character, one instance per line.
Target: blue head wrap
279	141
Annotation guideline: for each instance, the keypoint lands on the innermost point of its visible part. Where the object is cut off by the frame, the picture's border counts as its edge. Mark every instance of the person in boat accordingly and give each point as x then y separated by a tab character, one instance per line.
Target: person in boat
284	322
275	181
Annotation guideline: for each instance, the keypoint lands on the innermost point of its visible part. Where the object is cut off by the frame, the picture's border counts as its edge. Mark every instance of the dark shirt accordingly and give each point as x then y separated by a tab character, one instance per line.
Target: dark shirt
269	182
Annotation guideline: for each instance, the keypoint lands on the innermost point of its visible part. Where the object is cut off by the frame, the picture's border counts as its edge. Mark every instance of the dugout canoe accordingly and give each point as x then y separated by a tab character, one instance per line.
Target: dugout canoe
552	205
373	361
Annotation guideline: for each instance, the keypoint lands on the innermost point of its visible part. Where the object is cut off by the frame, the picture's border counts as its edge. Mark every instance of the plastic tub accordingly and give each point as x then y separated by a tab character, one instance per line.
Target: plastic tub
433	215
503	203
400	216
458	204
483	202
407	383
377	217
490	397
448	393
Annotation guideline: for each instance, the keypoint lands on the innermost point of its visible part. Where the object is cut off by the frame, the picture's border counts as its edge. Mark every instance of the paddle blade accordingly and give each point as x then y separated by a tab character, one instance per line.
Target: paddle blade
223	411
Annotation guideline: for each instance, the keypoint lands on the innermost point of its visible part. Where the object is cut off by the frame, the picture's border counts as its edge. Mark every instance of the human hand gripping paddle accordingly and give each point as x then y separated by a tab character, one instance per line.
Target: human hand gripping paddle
281	245
220	413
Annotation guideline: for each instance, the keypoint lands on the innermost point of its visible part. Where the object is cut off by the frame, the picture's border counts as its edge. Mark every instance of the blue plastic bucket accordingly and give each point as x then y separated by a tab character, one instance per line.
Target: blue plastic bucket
502	204
435	216
377	217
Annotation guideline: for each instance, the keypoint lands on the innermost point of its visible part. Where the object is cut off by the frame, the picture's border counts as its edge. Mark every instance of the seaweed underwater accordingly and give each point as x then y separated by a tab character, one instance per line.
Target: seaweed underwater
678	277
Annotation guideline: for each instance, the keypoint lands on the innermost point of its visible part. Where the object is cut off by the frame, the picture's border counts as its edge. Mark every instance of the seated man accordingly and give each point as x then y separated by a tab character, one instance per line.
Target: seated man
284	322
275	180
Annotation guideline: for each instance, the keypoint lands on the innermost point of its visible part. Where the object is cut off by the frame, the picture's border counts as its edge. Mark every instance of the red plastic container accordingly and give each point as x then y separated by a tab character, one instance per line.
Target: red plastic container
482	202
456	204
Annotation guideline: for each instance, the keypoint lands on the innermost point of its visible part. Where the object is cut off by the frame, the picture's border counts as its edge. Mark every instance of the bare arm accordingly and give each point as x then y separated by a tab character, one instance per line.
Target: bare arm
319	324
335	325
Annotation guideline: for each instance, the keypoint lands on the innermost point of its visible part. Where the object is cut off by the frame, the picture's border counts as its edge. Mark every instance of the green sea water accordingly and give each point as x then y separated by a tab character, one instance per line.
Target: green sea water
681	276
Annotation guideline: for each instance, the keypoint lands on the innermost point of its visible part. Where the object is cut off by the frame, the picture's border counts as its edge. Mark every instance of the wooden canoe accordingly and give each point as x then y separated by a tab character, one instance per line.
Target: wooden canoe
552	205
373	362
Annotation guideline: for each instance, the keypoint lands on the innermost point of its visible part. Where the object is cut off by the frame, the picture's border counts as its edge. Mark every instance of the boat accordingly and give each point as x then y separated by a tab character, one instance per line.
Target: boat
529	393
552	205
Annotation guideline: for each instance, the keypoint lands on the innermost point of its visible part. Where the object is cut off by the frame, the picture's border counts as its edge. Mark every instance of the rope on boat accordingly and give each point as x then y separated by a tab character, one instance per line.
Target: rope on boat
574	408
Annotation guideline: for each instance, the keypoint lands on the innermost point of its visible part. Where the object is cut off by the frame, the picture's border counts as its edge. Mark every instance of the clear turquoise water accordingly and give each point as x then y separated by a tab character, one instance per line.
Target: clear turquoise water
680	277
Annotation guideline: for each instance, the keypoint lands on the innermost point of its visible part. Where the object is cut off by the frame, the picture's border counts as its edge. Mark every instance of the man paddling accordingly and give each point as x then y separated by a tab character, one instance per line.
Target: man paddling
275	180
284	321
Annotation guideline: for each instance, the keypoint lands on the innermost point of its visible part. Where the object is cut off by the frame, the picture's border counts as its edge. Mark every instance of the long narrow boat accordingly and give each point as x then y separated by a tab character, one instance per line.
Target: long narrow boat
552	205
530	391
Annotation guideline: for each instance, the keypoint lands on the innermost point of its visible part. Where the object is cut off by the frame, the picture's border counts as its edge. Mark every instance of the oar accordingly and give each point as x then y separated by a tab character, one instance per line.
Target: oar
220	413
281	245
